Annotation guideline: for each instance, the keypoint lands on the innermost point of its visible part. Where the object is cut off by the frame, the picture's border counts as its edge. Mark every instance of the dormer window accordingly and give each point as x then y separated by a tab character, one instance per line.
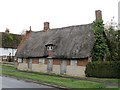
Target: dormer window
50	47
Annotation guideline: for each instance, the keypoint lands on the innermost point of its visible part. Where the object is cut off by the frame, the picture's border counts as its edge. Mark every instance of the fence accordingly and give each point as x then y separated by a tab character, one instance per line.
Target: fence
7	58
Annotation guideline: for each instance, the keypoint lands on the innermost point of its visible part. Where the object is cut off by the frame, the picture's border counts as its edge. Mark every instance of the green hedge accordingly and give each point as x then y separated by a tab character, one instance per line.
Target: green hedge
103	69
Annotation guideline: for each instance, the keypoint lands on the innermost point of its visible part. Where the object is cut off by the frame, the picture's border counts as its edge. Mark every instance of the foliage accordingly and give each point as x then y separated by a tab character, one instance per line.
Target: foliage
103	69
107	42
119	44
10	40
100	47
113	40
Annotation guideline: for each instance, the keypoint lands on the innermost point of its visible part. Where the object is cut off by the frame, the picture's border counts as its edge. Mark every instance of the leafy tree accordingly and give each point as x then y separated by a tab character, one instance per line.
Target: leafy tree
107	41
113	41
100	48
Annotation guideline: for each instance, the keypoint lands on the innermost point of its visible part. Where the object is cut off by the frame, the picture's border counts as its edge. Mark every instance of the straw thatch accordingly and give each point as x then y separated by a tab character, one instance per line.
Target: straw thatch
69	42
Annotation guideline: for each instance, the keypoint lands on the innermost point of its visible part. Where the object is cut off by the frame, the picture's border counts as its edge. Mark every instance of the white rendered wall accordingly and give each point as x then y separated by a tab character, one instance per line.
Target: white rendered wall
7	51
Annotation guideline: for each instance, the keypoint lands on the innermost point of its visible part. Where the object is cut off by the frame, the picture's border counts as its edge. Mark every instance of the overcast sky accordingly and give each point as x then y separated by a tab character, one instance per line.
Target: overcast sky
18	15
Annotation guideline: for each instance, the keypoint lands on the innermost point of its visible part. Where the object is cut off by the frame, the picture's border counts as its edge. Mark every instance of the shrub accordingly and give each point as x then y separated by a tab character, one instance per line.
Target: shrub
103	69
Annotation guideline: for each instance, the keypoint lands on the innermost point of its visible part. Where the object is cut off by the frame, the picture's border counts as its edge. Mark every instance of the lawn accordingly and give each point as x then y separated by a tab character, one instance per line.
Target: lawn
0	69
55	80
107	80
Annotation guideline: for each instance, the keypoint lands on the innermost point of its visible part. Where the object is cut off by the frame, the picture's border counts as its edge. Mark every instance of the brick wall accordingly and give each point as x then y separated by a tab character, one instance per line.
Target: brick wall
68	62
35	61
50	53
73	67
82	62
56	62
24	38
46	61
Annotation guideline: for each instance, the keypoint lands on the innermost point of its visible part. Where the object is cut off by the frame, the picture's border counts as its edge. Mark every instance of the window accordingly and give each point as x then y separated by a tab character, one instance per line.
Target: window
20	60
41	60
4	57
49	47
74	62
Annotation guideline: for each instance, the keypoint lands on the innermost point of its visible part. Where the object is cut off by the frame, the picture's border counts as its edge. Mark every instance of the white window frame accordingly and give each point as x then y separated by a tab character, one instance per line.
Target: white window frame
73	63
41	60
20	60
49	47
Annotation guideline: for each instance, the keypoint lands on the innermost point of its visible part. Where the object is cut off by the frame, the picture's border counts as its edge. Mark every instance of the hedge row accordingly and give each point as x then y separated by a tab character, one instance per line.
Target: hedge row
103	69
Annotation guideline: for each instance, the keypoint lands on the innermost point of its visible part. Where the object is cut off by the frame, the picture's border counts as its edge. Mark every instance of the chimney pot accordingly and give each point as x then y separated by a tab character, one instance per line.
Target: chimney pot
46	26
7	30
30	28
98	14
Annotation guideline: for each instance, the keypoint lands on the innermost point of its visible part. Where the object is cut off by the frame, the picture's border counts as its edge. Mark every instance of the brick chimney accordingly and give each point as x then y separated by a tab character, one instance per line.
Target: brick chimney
98	14
46	26
28	31
7	30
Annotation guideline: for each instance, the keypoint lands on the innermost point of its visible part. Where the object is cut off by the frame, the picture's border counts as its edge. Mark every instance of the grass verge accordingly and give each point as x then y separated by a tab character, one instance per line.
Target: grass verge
60	81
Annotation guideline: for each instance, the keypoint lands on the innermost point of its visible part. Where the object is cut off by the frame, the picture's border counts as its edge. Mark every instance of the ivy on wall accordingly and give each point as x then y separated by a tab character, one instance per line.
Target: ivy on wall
100	47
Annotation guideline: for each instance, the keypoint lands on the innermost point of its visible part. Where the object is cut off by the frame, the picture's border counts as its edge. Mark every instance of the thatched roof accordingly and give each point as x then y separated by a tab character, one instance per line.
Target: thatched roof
70	42
9	40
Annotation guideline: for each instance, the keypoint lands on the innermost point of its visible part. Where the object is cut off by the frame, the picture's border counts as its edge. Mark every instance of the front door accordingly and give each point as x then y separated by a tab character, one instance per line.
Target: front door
30	64
50	65
63	66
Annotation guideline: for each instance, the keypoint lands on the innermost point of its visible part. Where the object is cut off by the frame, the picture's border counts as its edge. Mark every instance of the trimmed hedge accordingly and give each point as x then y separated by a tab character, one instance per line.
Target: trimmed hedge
103	69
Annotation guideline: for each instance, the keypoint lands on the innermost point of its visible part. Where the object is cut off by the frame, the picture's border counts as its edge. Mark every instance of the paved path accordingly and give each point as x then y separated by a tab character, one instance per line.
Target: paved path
8	82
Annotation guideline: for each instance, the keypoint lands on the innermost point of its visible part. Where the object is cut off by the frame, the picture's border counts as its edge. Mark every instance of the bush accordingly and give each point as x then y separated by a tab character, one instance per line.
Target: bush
103	69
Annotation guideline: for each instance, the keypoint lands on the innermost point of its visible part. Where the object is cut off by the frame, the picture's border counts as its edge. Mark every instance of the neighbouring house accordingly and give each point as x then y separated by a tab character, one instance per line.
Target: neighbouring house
64	50
8	45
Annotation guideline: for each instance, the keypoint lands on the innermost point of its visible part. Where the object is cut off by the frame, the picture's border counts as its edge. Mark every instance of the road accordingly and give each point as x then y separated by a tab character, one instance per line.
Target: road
8	82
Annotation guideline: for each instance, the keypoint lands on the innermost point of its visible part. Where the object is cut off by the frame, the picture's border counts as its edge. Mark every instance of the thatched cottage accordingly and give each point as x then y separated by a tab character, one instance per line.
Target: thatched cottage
8	45
64	50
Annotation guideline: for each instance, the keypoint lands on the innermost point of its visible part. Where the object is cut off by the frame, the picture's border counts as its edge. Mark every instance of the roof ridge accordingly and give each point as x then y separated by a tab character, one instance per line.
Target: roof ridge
64	27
